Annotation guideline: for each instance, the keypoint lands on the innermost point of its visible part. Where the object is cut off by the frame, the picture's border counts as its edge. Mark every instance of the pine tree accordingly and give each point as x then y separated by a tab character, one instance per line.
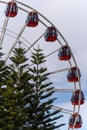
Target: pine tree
40	115
24	103
17	87
3	78
20	76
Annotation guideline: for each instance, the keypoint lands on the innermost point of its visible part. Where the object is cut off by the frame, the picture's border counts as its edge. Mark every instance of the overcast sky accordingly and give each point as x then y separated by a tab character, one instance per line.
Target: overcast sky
70	17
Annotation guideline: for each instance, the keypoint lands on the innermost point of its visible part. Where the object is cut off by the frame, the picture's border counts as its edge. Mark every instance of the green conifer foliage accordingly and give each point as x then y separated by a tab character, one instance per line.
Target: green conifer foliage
40	115
20	78
25	94
3	99
17	88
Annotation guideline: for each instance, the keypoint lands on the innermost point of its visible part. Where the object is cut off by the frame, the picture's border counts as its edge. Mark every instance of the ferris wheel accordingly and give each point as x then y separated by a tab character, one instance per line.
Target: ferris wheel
21	23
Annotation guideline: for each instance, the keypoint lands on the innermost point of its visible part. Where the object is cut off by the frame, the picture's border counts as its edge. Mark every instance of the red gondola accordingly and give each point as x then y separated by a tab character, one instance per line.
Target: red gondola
32	19
75	117
11	9
50	34
64	53
73	74
76	97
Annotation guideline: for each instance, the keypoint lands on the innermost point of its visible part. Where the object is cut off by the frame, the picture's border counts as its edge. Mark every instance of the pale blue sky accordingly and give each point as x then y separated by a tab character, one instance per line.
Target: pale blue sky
70	17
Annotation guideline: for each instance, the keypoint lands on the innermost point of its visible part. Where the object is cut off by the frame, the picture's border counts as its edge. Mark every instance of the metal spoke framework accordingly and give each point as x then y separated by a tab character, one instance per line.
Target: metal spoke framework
19	36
